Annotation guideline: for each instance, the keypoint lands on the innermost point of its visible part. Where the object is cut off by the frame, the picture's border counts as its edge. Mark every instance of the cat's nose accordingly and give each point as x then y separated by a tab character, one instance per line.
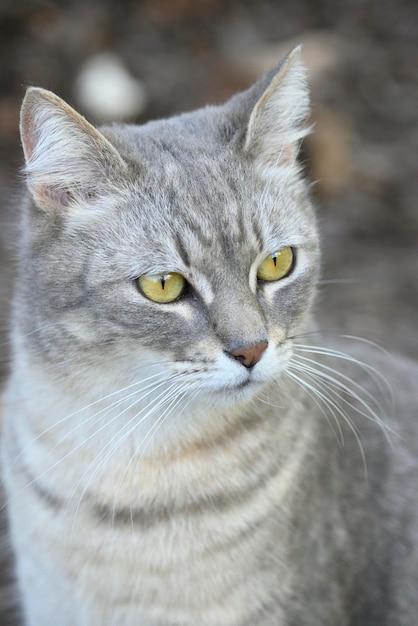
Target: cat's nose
249	355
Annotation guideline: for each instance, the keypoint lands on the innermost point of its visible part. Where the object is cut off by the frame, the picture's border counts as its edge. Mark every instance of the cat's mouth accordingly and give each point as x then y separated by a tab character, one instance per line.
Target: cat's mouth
248	386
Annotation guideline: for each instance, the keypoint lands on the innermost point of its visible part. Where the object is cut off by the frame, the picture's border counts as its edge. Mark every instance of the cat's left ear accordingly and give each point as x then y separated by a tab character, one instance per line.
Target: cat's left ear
278	121
68	161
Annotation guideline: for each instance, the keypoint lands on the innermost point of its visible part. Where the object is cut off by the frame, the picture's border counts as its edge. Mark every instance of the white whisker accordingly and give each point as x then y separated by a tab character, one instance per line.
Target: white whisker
335	383
124	433
84	408
335	410
377	376
317	396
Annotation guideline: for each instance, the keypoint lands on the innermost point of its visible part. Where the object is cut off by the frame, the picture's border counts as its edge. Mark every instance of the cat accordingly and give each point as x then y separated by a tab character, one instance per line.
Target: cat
181	444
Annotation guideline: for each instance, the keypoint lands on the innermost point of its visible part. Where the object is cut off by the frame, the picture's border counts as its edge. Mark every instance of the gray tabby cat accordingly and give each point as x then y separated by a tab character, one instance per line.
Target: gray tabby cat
178	451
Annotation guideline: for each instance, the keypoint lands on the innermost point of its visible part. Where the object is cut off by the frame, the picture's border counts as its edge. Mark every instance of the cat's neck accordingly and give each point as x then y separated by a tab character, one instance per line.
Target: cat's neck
213	442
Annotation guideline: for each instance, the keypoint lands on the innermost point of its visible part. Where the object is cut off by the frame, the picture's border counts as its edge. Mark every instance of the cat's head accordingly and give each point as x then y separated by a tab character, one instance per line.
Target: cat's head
186	245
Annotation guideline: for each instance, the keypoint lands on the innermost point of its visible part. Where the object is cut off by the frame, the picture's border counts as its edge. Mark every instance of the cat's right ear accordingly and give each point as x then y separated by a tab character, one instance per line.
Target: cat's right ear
67	159
278	121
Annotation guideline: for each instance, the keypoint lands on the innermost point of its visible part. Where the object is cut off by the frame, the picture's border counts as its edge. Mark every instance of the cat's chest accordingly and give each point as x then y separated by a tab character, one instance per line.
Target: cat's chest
179	536
179	554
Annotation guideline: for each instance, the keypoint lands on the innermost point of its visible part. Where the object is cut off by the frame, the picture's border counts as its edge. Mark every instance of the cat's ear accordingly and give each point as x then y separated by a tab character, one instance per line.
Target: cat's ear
278	121
67	159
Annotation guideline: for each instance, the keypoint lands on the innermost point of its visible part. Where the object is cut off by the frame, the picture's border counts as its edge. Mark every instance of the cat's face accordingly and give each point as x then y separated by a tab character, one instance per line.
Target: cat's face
185	246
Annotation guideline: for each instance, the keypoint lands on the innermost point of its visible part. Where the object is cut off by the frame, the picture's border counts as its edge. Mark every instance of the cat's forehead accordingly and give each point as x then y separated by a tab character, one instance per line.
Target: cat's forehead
193	194
186	172
208	204
196	171
198	208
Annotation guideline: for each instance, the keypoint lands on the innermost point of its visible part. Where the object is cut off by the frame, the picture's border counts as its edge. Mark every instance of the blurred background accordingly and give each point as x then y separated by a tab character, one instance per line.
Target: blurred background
136	60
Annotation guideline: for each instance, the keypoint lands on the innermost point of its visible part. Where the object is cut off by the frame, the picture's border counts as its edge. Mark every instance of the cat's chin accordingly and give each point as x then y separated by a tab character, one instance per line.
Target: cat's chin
231	394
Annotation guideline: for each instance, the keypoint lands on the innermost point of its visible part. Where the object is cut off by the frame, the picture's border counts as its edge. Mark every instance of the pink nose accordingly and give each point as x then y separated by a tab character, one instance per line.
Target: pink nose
249	355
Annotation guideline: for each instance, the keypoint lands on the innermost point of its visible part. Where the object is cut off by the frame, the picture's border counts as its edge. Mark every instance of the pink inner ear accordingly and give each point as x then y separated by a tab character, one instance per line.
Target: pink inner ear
64	154
52	197
30	137
61	197
288	154
56	198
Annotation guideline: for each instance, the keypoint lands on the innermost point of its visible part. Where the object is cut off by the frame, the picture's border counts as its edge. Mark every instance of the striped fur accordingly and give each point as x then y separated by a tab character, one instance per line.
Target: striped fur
154	477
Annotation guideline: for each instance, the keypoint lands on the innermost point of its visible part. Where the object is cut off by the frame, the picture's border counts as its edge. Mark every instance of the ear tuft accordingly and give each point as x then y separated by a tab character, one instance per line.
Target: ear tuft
278	121
65	155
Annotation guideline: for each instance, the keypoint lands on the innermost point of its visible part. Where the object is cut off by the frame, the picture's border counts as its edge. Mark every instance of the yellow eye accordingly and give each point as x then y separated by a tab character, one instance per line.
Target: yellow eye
277	265
162	288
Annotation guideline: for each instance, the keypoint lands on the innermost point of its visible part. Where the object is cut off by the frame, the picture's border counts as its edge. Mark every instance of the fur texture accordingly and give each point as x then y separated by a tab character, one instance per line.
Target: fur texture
201	461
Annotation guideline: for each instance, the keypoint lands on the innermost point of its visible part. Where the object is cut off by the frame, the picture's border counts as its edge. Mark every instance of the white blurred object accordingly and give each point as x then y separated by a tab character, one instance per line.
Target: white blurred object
106	90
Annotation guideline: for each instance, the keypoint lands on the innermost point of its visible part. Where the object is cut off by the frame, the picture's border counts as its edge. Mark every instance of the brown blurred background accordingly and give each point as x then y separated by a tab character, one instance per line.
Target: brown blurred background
166	56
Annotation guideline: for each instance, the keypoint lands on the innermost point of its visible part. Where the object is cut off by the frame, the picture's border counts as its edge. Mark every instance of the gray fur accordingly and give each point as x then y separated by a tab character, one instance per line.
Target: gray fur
152	478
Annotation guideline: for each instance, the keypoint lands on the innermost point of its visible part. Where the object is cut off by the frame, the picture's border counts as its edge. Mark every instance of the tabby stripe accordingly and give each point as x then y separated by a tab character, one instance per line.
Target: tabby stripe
181	249
222	502
53	501
50	499
148	517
